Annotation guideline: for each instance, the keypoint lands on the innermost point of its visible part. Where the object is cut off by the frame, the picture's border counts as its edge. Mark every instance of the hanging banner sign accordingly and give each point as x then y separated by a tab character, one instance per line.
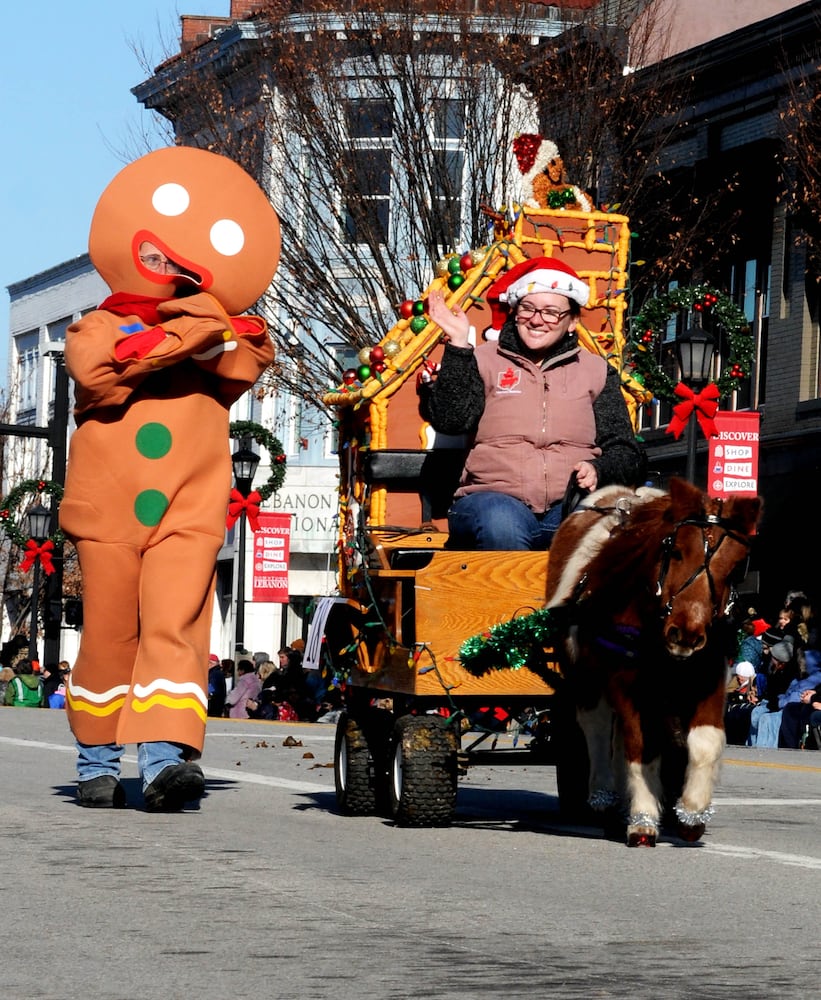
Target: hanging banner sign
272	553
733	456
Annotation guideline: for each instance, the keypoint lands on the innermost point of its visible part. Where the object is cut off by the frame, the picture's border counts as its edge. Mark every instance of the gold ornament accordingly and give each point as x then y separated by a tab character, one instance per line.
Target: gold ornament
391	348
442	267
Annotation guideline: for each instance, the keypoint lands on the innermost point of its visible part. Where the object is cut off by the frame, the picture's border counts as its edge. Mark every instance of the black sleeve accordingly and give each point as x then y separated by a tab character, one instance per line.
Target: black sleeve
455	400
623	459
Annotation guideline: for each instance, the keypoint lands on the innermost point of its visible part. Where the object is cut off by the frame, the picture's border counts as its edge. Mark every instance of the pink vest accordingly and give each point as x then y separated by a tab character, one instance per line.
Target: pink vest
537	424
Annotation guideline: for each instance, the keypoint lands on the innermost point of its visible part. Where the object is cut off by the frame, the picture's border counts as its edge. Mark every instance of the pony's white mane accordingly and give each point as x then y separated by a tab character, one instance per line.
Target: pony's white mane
616	502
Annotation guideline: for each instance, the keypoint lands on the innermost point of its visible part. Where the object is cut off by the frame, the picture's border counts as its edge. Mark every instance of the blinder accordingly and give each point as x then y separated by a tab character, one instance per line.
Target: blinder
706	523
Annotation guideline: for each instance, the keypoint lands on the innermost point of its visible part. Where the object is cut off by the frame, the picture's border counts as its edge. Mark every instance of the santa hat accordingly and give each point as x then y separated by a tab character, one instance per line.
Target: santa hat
759	626
533	153
538	274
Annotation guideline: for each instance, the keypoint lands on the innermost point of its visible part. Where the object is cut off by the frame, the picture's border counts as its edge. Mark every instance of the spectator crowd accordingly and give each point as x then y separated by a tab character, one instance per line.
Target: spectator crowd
774	688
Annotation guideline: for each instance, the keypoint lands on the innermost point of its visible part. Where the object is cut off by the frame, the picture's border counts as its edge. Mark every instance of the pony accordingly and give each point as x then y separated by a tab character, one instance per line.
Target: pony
644	579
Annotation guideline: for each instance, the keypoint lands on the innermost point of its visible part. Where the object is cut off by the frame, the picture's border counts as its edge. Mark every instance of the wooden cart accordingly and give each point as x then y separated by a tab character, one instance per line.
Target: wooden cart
406	602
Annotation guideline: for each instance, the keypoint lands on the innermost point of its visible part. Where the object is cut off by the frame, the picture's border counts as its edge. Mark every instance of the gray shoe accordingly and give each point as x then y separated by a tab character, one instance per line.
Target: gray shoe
173	787
102	792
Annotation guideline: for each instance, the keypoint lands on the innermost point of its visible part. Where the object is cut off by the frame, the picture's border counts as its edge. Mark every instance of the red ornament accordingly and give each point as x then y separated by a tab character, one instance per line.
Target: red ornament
697	306
379	367
349	377
406	309
377	354
466	262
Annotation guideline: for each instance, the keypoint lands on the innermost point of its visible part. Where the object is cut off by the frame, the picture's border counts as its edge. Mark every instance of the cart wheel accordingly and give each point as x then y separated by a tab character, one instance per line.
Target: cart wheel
360	763
423	771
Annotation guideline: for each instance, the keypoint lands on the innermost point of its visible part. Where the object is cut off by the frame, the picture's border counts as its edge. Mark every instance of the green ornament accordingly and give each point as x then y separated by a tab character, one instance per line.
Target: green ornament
363	373
455	280
454	267
418	307
418	324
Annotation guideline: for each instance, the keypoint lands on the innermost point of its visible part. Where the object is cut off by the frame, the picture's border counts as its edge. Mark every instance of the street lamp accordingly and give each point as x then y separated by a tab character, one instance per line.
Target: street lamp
38	520
695	347
245	463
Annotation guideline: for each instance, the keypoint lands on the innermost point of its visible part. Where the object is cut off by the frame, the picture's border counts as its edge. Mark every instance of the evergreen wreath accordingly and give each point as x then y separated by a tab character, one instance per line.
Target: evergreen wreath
649	325
263	437
11	505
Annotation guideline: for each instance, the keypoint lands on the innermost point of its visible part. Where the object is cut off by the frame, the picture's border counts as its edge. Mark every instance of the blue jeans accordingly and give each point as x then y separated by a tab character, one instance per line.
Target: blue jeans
497	521
152	758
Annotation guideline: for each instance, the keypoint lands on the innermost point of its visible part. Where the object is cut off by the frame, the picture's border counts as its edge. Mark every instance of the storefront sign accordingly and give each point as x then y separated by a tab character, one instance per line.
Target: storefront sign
272	551
314	511
733	456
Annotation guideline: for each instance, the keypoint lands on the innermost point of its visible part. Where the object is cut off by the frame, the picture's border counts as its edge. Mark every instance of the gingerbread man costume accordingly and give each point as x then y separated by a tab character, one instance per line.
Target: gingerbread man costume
186	240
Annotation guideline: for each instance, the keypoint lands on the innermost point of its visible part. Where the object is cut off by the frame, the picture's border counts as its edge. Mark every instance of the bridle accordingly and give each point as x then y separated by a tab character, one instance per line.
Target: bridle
707	523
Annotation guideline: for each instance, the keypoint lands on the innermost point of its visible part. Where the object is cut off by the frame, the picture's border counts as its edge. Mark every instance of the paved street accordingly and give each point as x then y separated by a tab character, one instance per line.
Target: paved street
266	892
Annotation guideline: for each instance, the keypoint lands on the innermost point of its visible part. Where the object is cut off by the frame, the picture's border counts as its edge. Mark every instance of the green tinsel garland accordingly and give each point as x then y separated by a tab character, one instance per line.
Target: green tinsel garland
512	645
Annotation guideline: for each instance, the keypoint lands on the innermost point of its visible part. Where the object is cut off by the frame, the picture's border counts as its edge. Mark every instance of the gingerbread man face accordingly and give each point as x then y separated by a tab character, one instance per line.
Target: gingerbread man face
199	211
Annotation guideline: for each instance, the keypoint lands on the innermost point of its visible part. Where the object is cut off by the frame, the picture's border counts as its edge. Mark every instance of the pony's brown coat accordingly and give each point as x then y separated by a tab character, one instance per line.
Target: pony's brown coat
647	577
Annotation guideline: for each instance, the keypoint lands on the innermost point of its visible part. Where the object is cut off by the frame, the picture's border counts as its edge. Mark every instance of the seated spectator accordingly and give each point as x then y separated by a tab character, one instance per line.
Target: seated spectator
57	698
750	648
6	674
765	718
740	688
284	709
263	707
331	706
228	673
51	681
802	707
217	689
246	688
25	689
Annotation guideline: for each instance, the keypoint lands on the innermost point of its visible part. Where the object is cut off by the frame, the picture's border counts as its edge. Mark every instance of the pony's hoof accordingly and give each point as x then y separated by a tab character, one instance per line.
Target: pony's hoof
641	838
691	833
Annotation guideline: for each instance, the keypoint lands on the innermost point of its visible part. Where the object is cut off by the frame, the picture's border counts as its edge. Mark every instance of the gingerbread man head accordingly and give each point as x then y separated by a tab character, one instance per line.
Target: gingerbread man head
183	219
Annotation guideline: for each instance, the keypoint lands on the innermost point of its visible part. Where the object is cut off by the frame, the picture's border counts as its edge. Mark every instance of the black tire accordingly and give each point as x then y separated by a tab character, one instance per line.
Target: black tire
422	774
360	762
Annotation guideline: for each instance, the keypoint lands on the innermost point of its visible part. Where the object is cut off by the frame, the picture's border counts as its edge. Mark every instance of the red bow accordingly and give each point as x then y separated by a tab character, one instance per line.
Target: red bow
35	552
238	503
705	404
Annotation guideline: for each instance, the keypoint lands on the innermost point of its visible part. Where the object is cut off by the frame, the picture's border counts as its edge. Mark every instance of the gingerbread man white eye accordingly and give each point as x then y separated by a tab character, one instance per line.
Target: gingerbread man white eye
170	199
227	237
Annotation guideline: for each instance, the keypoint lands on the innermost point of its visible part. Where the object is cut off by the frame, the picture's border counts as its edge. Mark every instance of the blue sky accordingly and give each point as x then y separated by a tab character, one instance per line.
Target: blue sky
70	121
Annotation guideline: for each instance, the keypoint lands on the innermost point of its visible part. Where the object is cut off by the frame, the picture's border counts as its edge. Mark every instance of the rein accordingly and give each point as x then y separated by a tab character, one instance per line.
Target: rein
706	523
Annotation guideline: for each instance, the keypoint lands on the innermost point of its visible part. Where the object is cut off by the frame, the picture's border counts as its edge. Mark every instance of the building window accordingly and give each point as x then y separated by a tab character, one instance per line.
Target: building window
449	163
750	288
366	190
57	329
28	356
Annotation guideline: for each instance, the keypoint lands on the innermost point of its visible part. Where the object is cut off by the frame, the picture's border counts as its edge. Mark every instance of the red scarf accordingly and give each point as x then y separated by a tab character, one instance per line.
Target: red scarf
129	304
